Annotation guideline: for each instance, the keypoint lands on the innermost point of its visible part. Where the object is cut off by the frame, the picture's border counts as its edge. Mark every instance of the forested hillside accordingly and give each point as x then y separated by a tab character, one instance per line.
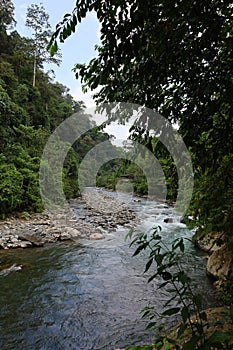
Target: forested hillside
32	105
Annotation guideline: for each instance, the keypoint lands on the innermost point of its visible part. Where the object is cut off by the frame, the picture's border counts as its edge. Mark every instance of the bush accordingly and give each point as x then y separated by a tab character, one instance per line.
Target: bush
213	199
11	189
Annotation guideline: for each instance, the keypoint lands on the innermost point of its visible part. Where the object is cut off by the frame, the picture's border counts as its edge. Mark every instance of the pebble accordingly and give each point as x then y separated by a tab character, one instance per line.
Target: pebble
87	217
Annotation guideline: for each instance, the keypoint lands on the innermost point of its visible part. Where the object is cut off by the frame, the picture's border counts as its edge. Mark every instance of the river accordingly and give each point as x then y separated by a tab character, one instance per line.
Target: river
88	295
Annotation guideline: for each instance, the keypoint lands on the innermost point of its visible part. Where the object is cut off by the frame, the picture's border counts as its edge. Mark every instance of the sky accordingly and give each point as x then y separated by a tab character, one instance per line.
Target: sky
79	48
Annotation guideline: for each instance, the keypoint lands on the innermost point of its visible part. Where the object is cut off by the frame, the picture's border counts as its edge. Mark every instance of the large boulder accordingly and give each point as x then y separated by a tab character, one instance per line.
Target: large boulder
72	232
209	242
220	264
96	235
31	237
220	255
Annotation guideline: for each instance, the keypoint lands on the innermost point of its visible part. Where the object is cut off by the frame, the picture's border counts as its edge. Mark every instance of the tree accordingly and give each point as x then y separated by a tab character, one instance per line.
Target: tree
27	116
171	56
6	22
38	20
6	14
10	188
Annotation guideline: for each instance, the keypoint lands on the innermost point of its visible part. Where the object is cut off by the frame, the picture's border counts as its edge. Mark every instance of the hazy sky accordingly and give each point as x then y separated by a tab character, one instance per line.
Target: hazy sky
79	48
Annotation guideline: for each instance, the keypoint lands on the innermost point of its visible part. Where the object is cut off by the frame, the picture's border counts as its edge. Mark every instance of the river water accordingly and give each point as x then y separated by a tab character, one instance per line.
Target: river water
88	295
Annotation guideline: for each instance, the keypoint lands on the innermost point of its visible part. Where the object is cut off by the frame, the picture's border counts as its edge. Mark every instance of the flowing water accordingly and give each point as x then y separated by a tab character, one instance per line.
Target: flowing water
88	295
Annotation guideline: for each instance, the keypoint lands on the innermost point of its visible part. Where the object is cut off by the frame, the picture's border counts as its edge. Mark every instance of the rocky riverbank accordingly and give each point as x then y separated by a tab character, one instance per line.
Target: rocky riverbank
87	217
220	257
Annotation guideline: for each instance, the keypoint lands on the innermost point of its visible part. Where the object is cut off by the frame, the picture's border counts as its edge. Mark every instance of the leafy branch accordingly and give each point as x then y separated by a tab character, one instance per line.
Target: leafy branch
168	268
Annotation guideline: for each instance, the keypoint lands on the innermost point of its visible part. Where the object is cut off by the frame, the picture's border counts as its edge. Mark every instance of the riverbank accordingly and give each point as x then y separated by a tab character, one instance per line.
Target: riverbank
219	254
95	215
218	325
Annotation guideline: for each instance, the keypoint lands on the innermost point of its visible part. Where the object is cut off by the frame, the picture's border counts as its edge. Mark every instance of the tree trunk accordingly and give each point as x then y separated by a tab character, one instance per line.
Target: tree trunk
34	71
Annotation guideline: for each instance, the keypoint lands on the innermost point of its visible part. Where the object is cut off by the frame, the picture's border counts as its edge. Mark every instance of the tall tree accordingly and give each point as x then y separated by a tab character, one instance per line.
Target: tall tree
38	20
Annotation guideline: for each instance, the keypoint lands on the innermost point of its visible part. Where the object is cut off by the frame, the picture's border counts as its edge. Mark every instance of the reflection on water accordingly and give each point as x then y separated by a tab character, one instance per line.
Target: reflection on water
86	295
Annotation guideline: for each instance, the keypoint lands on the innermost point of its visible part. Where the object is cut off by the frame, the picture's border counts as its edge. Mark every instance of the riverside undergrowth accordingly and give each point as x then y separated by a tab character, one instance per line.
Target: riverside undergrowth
195	331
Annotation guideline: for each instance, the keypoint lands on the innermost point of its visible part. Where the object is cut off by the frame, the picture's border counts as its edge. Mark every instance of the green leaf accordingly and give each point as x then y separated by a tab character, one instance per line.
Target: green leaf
182	246
168	346
53	48
130	233
139	249
151	325
182	277
152	277
185	313
167	276
159	344
148	265
146	313
72	26
159	258
172	311
75	21
168	302
182	329
203	316
164	285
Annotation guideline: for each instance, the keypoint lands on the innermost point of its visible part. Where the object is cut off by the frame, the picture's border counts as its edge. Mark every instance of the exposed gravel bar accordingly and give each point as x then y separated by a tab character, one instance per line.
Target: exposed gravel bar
89	217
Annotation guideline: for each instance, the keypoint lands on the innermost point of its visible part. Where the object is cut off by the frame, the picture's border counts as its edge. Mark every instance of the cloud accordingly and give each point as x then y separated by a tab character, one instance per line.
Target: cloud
119	132
87	98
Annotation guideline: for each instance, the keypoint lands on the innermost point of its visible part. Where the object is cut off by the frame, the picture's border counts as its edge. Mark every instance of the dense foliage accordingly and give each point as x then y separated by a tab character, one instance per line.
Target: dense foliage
31	107
125	175
174	57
